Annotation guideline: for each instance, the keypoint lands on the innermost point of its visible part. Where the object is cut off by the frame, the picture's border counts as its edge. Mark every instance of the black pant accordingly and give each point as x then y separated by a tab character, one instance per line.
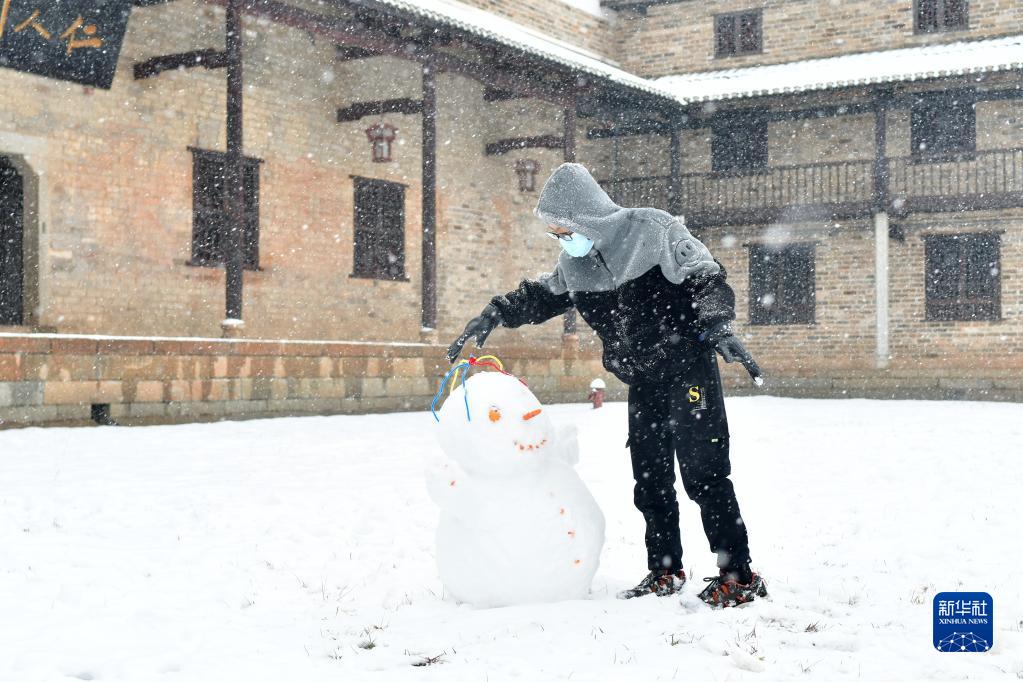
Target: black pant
685	416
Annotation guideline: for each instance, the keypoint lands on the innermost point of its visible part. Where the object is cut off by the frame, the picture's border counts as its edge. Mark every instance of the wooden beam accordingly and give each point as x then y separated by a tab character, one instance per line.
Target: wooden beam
349	53
882	100
348	32
491	94
234	177
630	129
513	143
637	6
820	112
388	106
429	200
154	66
568	151
675	180
568	141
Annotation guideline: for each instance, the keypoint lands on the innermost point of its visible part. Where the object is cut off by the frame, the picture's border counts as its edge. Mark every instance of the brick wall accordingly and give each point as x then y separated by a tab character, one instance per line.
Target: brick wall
834	356
114	252
842	336
558	19
113	240
51	378
836	353
991	347
679	37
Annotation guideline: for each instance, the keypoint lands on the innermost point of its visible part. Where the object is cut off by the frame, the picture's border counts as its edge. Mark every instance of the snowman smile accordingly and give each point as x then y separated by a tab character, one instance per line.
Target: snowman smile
530	446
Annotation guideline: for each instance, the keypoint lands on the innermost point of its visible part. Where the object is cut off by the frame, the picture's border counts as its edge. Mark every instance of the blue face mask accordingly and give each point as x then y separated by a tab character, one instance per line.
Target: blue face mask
577	245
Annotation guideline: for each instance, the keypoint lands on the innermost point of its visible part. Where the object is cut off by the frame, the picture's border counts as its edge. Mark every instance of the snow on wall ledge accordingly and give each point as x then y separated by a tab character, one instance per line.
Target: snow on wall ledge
56	378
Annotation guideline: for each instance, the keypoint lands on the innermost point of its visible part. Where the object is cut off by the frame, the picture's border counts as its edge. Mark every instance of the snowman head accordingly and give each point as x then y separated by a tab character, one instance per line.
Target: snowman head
506	431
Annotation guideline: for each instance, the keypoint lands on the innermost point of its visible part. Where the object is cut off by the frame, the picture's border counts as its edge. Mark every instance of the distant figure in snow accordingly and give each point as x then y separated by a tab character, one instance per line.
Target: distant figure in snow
659	302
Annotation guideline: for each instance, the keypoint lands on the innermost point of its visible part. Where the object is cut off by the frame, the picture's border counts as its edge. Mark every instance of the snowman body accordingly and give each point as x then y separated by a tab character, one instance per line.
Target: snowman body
517	524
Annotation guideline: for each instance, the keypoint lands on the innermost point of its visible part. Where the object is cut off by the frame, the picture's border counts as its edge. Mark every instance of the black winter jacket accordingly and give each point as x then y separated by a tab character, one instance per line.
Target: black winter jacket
649	326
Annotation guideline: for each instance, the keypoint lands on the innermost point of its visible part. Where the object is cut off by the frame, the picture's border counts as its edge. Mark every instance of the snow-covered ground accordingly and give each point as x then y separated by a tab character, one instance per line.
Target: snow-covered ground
302	549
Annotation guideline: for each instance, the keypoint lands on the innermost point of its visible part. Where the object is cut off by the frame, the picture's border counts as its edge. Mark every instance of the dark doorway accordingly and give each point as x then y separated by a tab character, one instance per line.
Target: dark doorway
11	236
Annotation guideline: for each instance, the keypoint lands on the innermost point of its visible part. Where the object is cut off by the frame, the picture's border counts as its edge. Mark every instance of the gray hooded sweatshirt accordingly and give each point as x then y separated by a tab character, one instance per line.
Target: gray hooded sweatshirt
627	242
648	288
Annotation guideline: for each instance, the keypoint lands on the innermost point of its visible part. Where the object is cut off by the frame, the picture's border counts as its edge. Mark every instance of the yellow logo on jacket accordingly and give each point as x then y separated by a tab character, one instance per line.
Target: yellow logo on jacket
694	394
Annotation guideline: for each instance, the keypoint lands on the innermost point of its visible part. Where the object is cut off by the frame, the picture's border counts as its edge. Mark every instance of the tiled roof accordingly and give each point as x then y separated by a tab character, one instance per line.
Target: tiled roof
531	41
886	66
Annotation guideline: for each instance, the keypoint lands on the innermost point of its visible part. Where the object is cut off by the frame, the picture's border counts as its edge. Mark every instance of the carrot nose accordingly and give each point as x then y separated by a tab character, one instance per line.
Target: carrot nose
530	415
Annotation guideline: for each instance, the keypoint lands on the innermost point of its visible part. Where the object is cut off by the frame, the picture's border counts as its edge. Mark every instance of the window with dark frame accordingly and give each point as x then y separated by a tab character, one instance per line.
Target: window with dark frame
209	210
943	126
782	284
935	16
738	33
738	143
963	279
379	229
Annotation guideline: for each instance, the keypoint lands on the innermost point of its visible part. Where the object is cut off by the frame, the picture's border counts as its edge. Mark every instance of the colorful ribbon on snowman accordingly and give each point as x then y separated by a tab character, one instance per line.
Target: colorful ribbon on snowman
461	371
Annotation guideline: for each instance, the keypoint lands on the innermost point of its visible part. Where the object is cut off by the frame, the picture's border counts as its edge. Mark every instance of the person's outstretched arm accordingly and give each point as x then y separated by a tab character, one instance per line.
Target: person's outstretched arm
713	299
714	305
531	303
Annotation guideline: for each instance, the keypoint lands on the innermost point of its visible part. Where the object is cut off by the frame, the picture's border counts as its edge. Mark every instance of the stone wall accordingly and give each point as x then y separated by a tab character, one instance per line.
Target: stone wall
679	37
52	378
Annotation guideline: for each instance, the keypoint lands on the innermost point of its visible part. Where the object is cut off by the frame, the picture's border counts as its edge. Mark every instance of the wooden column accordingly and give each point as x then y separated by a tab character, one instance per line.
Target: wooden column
429	182
571	122
234	175
675	181
881	190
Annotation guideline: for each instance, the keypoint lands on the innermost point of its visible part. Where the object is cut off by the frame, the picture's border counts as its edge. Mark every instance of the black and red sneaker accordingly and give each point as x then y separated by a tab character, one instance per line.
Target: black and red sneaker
662	583
725	590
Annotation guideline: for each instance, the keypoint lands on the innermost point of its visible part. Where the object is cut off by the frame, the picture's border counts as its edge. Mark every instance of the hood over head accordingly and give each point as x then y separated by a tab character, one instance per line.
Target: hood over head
572	199
627	242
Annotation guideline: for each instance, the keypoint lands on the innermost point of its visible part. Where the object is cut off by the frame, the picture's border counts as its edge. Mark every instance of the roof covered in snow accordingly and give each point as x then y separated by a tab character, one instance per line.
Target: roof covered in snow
886	66
529	40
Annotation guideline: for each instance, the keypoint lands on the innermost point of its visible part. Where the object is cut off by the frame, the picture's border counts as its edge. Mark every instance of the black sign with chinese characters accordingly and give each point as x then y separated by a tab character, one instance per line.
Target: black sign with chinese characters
75	40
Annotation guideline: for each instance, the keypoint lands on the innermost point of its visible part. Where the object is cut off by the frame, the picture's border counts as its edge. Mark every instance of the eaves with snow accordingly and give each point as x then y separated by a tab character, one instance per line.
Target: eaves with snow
869	68
528	40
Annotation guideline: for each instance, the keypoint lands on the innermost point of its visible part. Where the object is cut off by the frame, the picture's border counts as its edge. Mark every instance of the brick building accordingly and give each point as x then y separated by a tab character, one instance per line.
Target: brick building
856	166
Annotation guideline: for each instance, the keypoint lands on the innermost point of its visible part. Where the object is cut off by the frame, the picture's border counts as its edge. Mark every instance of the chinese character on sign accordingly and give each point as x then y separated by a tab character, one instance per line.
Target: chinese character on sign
73	43
75	40
945	608
76	43
32	22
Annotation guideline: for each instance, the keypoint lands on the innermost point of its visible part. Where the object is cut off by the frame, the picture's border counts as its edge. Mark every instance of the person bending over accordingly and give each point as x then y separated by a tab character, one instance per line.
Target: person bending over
659	302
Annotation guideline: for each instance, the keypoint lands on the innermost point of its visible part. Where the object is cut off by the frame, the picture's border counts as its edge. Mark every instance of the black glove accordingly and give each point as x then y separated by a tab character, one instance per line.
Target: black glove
721	339
479	327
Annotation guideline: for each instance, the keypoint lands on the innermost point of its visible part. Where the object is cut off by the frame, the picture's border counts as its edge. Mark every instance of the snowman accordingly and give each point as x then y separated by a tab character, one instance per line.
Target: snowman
517	524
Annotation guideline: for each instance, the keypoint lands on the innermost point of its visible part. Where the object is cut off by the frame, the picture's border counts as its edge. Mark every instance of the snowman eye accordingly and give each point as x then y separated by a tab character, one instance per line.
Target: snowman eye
495	414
